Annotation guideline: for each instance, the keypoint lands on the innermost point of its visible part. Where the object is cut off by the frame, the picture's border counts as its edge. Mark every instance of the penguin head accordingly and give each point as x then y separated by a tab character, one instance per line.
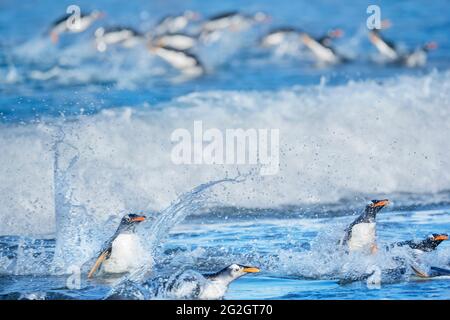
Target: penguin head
432	241
430	46
335	33
234	271
129	221
374	207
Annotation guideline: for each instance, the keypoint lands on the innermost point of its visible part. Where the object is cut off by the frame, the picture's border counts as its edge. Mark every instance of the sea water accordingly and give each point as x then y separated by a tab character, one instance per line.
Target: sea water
85	139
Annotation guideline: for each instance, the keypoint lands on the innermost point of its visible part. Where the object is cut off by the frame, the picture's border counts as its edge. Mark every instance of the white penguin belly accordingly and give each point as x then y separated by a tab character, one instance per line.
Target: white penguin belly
213	291
126	254
362	237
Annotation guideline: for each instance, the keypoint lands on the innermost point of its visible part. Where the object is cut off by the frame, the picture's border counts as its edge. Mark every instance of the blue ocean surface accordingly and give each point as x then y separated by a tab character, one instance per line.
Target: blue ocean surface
85	138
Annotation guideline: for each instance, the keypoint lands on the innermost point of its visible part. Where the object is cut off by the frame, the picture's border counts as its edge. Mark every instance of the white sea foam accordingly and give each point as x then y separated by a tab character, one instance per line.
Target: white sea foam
365	137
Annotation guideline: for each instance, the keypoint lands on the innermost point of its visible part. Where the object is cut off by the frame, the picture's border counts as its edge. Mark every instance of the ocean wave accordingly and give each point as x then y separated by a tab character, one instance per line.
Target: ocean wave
336	142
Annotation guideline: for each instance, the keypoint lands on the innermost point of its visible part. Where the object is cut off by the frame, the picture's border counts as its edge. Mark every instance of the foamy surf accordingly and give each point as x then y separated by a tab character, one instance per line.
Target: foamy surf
336	142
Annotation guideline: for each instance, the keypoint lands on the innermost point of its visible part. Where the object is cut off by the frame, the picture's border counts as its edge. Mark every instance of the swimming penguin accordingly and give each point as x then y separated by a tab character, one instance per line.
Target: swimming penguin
210	287
386	48
173	24
218	282
119	253
418	57
69	23
233	20
321	47
360	235
127	37
184	61
179	41
277	36
415	58
419	248
429	244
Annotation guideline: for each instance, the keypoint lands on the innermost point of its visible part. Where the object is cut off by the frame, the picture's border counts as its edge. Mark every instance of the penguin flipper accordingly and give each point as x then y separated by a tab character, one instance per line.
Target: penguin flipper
419	273
102	257
438	272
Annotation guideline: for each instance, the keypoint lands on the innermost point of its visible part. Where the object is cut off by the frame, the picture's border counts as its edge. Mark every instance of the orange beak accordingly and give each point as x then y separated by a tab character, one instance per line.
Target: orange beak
251	269
337	33
138	219
432	45
381	203
385	24
441	237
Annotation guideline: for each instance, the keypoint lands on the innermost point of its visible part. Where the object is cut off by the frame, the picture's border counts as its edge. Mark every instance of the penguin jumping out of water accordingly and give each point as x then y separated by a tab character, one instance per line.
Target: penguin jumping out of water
278	36
127	37
360	235
119	253
390	52
71	24
386	48
421	247
179	41
185	62
430	243
321	47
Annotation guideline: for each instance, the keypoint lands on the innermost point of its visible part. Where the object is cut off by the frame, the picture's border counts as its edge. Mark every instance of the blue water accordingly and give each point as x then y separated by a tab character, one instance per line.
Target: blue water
85	138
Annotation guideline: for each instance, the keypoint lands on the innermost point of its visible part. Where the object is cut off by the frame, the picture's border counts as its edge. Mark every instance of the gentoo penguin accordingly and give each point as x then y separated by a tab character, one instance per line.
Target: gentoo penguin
360	235
418	57
217	284
179	41
173	24
233	21
119	253
127	37
415	58
277	36
386	48
430	243
71	24
210	287
419	248
184	61
321	47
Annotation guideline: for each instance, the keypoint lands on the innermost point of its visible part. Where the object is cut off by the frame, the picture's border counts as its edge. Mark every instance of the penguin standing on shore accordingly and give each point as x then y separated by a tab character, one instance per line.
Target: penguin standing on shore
360	235
120	253
71	24
125	36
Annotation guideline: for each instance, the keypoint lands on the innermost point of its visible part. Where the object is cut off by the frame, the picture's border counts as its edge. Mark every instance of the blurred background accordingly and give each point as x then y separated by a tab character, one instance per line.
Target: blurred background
38	77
